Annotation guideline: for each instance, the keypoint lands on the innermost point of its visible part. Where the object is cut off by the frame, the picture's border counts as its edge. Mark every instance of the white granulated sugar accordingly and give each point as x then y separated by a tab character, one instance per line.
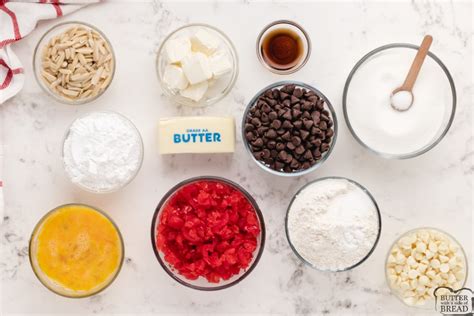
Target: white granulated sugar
333	224
102	151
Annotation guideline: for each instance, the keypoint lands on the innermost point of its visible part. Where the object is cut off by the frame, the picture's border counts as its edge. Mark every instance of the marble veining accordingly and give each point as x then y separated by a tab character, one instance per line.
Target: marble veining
432	190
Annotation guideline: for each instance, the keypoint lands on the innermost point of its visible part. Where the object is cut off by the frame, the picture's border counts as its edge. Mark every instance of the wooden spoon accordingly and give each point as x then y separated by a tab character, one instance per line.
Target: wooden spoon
410	79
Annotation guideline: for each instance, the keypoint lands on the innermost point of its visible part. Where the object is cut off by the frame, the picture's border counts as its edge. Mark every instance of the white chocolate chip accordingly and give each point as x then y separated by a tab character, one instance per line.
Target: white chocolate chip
435	263
413	274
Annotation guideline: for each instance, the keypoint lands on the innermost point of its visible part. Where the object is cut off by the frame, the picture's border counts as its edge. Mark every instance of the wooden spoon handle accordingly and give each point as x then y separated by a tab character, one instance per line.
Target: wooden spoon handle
417	63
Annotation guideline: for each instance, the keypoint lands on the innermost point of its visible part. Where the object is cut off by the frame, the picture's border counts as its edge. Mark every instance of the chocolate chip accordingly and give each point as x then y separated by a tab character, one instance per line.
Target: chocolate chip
280	146
298	124
258	142
323	125
300	150
250	136
276	124
307	106
287	115
249	127
257	155
304	134
316	153
324	147
288	129
287	125
261	130
296	113
316	142
272	115
284	95
271	134
308	124
298	93
266	153
289	88
295	164
294	99
286	136
282	155
256	122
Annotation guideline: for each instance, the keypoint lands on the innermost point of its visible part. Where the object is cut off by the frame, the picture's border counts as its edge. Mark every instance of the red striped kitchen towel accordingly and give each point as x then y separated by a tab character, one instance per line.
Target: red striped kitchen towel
17	19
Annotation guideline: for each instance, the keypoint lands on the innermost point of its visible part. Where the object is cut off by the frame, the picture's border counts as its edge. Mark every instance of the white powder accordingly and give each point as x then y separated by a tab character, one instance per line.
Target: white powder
333	224
102	151
377	123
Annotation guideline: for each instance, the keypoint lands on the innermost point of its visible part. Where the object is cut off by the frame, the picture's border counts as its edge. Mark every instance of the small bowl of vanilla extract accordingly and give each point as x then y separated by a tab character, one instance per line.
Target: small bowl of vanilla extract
283	47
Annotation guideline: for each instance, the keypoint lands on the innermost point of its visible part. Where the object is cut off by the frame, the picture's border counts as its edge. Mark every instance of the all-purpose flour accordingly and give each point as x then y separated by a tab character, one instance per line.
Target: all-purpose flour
102	151
333	224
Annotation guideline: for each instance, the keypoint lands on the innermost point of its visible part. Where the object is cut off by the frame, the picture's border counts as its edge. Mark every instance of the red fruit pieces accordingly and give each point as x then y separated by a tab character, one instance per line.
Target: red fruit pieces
208	229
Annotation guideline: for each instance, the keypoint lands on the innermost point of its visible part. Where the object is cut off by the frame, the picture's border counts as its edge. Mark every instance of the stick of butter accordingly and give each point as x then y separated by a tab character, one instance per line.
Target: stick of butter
199	134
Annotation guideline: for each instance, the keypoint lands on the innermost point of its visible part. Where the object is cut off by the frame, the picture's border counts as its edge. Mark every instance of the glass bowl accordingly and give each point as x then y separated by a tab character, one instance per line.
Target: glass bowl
44	40
328	107
201	283
450	237
355	77
51	284
378	216
288	25
219	87
141	146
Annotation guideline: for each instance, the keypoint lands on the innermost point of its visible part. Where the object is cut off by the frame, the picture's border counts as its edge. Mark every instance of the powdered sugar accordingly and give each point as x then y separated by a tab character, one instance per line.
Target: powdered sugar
333	224
102	151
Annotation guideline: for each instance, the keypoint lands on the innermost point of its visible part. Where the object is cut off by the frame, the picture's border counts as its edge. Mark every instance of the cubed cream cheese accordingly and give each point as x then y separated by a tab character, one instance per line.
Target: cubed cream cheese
196	68
220	63
195	92
204	42
174	77
178	48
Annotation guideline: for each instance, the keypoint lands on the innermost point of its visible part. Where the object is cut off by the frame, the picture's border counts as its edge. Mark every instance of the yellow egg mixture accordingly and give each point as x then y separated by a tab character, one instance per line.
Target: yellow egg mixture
79	248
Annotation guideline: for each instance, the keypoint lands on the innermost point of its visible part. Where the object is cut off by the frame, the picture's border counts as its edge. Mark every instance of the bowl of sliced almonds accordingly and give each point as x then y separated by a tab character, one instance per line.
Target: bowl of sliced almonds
74	62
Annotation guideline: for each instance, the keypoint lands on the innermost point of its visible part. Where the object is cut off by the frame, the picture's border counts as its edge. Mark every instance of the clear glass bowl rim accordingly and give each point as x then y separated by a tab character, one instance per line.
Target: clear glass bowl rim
331	110
235	72
38	51
155	222
290	70
367	192
365	58
38	226
142	151
393	291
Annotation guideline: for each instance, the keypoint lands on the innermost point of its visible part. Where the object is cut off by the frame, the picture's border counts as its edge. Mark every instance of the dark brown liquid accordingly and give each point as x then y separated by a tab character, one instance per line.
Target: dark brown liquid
282	49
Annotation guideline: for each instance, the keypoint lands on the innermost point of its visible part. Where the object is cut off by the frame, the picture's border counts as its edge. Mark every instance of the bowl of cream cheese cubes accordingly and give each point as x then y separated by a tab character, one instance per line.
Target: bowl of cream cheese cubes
197	65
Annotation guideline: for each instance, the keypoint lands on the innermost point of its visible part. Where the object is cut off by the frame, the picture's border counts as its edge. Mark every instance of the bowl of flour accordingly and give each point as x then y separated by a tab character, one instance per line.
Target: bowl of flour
376	125
333	224
102	152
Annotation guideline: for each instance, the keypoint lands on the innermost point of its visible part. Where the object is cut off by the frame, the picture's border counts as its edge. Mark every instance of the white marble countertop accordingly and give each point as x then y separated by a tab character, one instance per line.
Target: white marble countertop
432	190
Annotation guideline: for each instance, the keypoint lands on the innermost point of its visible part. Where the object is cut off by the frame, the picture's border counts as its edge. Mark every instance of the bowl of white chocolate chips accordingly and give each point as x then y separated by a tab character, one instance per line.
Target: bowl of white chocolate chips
197	65
74	62
422	260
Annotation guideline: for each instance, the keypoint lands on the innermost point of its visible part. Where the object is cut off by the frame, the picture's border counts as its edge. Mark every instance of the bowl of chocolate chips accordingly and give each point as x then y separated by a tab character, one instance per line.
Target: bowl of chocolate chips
289	128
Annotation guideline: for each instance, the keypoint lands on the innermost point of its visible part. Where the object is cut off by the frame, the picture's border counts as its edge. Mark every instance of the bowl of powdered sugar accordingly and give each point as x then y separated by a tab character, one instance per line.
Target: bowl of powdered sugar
333	224
102	152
